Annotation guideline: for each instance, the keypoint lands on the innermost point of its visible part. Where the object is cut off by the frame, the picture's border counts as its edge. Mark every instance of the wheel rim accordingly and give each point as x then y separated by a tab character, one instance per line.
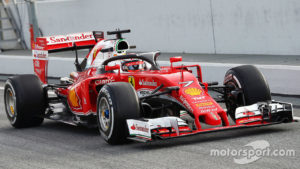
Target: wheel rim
233	102
10	100
239	102
104	114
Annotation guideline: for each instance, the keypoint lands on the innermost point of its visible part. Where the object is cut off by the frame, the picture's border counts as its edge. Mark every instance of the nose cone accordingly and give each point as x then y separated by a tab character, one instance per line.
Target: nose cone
212	118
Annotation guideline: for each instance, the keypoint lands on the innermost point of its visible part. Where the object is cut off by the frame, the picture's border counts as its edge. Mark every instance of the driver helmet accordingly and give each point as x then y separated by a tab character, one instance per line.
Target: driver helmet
133	65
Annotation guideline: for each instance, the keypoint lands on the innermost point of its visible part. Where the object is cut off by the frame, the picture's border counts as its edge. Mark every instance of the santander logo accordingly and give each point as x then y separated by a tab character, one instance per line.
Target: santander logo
133	127
70	38
139	128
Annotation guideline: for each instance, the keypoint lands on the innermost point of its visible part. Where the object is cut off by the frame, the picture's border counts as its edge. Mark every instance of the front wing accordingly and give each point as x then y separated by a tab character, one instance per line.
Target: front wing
256	115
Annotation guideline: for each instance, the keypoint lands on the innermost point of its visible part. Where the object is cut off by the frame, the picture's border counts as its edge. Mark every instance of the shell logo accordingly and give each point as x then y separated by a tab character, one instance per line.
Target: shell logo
193	91
73	99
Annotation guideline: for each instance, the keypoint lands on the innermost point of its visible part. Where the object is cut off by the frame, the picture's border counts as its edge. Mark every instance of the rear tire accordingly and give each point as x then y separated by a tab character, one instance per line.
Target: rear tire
247	86
24	101
116	103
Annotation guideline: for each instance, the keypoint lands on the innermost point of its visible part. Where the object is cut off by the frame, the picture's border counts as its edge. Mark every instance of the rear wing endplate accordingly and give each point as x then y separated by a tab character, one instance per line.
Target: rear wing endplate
42	46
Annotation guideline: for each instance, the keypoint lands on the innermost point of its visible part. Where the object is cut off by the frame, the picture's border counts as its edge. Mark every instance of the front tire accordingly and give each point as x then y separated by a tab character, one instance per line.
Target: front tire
116	103
247	86
24	101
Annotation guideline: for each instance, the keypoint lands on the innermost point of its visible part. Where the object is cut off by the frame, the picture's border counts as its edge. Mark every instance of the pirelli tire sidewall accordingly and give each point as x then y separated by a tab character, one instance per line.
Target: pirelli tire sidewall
123	104
252	83
30	102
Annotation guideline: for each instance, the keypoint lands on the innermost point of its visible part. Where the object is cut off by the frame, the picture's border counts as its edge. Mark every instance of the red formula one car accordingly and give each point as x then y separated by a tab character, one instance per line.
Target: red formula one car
130	96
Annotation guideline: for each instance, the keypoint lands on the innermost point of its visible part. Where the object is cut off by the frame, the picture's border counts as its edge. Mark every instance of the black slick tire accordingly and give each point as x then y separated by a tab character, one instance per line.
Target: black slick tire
24	101
247	86
116	103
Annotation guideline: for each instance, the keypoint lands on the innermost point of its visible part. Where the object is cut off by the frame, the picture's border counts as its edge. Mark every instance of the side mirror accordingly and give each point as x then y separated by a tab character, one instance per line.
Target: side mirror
176	59
115	67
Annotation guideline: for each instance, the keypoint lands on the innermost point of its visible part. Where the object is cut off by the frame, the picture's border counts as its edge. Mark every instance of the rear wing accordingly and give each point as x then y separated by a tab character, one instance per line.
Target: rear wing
42	46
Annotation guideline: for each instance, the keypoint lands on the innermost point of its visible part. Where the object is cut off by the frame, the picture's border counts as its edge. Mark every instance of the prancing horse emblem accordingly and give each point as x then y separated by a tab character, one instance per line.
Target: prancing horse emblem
131	80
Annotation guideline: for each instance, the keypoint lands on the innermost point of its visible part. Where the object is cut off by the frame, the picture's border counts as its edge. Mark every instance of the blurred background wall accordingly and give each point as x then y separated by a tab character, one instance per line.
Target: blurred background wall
190	26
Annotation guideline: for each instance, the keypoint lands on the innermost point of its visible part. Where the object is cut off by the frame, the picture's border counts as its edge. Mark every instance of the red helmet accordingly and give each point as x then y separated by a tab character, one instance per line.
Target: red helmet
133	65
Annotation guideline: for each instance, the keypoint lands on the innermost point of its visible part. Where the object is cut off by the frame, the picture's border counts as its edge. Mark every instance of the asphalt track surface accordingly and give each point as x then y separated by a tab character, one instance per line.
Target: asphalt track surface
57	145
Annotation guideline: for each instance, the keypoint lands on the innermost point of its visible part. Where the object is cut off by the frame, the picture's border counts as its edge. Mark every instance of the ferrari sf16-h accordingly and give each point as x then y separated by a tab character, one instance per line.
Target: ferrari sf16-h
130	96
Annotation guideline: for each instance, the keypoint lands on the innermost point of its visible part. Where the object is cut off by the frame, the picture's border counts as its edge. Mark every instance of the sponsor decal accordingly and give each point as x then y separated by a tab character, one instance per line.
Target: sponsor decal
40	54
208	110
249	120
139	128
142	93
207	107
143	82
249	113
202	101
204	104
40	68
193	91
70	38
187	83
131	81
134	63
198	99
38	47
41	44
104	81
186	103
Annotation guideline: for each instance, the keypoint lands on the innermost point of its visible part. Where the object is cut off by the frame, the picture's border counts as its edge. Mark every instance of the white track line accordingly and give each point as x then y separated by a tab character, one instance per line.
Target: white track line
1	88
